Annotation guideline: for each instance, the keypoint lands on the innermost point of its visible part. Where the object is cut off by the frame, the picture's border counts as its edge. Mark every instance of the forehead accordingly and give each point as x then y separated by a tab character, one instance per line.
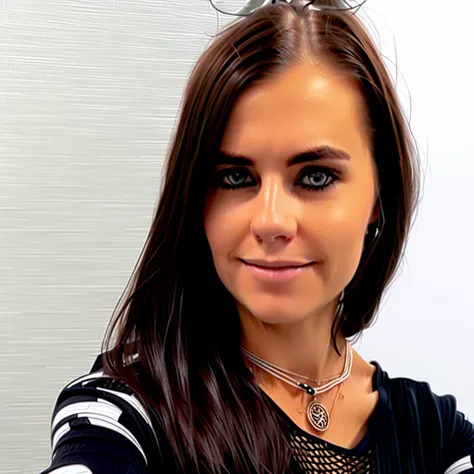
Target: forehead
307	105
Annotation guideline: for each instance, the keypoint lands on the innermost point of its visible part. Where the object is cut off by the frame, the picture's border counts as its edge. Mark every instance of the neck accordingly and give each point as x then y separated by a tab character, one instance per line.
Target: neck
304	347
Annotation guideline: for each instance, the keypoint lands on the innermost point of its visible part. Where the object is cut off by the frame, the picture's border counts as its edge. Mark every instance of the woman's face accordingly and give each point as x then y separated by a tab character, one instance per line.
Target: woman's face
293	193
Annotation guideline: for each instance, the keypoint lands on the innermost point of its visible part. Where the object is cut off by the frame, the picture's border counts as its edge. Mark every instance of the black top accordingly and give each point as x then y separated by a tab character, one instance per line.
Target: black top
100	427
312	454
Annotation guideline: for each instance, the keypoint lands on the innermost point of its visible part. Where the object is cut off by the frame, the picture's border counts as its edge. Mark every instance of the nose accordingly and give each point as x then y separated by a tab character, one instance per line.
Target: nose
274	215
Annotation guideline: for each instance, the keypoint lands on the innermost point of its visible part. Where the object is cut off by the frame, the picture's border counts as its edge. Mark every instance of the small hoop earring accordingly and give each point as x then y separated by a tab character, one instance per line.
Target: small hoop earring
376	233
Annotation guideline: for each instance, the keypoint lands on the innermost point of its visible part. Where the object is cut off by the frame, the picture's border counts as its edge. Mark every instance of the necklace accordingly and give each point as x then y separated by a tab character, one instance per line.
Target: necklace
336	398
316	412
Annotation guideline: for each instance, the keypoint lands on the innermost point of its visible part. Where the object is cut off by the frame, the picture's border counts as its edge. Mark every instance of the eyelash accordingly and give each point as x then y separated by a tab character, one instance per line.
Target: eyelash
305	172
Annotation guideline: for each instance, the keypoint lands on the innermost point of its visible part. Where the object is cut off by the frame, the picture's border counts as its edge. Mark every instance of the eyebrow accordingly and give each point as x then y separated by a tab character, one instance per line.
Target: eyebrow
319	153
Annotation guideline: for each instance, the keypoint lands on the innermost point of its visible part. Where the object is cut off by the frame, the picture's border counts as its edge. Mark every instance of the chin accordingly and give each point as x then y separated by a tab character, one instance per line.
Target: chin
278	319
277	311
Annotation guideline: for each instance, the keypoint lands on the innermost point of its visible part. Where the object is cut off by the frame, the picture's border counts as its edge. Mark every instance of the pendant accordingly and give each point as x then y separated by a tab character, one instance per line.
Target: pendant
318	416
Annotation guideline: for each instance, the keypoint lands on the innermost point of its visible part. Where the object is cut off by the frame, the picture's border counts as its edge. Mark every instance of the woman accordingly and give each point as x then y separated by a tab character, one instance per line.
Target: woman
289	192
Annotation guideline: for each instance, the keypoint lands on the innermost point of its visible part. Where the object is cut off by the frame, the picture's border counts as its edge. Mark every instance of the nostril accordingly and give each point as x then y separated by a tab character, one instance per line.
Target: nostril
271	238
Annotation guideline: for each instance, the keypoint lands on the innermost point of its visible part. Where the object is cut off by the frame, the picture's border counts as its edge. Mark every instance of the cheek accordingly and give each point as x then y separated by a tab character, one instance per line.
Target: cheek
339	245
344	234
221	228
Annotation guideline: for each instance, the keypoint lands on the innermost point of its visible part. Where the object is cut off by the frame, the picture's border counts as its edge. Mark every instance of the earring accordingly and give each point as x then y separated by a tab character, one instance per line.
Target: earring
375	234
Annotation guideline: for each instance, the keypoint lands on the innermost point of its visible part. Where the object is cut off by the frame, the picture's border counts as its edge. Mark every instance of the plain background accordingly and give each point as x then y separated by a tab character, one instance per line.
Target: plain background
89	94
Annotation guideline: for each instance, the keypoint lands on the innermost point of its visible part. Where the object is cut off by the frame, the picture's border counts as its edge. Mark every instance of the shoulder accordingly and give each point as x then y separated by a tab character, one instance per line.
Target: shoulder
99	410
97	392
405	394
434	420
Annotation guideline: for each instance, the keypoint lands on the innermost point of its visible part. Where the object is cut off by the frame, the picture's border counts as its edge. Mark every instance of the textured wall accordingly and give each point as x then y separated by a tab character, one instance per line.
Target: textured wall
89	92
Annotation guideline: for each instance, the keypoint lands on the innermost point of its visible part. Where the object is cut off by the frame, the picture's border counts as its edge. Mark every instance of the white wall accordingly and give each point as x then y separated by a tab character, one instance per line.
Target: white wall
89	92
425	327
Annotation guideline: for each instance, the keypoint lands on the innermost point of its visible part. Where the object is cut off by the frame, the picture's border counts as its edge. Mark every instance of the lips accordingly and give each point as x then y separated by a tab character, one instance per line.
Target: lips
275	271
276	264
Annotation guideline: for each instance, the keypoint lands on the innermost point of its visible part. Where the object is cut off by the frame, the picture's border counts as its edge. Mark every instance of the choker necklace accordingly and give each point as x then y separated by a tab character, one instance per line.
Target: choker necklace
316	412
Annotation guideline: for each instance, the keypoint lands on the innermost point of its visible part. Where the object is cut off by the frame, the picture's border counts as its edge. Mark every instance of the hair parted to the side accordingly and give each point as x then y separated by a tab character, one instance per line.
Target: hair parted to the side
176	314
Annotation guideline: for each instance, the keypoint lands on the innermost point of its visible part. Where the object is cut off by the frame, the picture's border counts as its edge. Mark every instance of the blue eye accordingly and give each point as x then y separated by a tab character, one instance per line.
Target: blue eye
235	178
316	179
311	178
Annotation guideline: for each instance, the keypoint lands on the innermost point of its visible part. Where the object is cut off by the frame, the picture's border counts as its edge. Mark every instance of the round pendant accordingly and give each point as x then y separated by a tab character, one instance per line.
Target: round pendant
318	416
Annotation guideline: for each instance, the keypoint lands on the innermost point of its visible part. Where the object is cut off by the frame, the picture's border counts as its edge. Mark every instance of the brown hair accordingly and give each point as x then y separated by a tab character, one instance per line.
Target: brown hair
175	312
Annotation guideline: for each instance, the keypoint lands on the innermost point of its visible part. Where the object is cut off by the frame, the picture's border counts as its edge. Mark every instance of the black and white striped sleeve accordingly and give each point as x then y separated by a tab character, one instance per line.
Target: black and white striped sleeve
459	437
100	427
464	465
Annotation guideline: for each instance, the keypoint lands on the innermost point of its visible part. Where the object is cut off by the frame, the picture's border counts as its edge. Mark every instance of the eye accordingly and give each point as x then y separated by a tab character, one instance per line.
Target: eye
316	179
234	178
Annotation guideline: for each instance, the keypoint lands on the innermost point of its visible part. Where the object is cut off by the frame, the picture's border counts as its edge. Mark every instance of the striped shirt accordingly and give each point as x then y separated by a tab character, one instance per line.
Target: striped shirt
99	426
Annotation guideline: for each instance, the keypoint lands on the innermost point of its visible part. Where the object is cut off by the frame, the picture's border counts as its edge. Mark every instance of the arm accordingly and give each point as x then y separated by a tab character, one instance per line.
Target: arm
459	435
99	427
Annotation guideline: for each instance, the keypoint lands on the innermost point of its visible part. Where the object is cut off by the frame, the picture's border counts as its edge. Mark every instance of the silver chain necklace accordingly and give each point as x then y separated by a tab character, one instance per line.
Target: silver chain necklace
316	412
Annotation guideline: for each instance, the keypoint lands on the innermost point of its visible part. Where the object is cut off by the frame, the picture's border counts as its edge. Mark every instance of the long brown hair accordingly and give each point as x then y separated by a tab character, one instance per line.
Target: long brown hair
176	314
